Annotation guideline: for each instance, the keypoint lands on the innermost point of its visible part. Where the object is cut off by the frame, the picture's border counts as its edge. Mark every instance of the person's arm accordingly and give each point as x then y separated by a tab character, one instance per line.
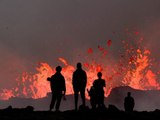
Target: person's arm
73	78
133	102
64	86
94	83
48	79
85	78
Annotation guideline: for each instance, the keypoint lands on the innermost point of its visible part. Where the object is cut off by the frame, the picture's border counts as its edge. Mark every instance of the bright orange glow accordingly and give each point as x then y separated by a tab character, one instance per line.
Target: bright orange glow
63	61
132	69
6	94
139	77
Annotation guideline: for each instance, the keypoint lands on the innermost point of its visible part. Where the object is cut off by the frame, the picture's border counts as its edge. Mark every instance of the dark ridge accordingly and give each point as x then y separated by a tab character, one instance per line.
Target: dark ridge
144	100
110	113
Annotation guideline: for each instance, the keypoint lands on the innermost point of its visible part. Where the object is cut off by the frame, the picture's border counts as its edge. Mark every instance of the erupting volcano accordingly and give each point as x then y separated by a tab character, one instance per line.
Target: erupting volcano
134	68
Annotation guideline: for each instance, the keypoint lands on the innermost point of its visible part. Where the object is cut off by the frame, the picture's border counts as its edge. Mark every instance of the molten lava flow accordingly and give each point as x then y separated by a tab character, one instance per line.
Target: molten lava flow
132	68
35	85
6	94
139	76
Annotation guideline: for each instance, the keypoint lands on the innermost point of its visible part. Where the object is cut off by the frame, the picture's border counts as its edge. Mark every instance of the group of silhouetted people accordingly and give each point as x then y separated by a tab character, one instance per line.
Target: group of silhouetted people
79	82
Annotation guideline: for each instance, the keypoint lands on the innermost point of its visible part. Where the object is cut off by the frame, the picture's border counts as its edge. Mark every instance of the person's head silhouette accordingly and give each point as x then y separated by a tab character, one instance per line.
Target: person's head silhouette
129	94
59	69
99	75
79	65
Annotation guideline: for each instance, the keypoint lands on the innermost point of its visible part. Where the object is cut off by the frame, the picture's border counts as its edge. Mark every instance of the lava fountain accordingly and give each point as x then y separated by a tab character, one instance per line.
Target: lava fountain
133	68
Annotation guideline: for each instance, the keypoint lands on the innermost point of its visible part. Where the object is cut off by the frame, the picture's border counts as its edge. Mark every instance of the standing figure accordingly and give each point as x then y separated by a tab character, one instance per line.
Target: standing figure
99	84
79	81
129	103
92	95
58	88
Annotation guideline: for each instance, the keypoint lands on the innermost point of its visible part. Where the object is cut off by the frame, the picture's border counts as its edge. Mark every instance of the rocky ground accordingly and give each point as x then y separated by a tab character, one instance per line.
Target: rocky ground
111	113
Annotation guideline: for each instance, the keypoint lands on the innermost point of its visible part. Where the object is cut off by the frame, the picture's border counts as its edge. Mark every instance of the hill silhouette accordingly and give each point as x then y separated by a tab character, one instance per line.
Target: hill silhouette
144	100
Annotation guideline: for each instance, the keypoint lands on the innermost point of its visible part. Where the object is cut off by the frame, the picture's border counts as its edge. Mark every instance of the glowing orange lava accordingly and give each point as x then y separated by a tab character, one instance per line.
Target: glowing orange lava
132	69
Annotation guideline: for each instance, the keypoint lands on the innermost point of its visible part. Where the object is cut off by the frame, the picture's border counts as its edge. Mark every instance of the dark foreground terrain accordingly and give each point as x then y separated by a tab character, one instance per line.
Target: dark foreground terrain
105	114
116	97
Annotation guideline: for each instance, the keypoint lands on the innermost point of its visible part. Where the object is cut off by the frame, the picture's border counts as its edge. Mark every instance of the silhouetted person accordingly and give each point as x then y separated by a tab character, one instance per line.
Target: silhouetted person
99	84
92	95
79	81
129	103
58	88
